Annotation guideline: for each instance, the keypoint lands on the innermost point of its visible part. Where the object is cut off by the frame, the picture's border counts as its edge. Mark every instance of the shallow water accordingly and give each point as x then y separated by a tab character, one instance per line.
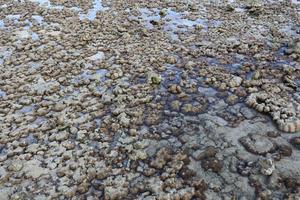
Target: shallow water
5	53
207	91
1	24
173	21
2	93
92	13
27	109
30	139
100	73
39	19
47	3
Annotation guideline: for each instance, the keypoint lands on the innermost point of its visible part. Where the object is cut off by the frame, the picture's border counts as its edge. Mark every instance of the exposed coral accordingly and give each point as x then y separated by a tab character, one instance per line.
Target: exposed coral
286	114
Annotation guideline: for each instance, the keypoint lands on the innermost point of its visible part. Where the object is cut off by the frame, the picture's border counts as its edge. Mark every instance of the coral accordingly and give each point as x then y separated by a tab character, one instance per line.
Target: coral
285	113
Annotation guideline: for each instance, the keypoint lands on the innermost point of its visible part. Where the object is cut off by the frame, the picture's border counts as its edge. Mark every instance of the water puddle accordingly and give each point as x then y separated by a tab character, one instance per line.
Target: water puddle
14	18
39	19
249	75
92	13
2	94
34	36
173	21
27	109
97	57
1	24
25	34
100	74
30	139
5	53
47	4
207	91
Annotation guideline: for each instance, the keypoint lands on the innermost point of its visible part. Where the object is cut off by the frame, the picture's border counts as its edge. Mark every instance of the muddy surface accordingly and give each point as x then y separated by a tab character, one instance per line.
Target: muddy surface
135	99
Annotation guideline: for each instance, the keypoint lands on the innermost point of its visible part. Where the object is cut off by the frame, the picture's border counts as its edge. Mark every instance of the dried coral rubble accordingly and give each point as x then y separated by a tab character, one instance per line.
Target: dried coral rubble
149	100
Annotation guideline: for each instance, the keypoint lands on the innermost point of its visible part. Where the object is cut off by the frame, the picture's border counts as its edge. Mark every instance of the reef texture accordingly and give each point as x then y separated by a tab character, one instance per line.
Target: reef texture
149	99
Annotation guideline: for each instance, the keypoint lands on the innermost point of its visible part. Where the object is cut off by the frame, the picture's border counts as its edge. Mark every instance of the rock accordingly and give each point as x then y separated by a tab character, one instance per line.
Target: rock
207	153
232	99
174	89
257	144
213	164
295	141
61	136
115	193
266	166
235	81
175	105
244	167
256	75
187	108
285	150
15	166
124	119
163	12
162	157
273	134
154	78
293	48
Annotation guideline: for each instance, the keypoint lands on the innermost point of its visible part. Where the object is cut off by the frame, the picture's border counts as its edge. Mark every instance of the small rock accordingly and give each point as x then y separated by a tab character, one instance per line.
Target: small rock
124	120
285	150
174	89
273	134
15	166
213	164
266	166
235	81
232	99
154	78
114	193
207	153
295	141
